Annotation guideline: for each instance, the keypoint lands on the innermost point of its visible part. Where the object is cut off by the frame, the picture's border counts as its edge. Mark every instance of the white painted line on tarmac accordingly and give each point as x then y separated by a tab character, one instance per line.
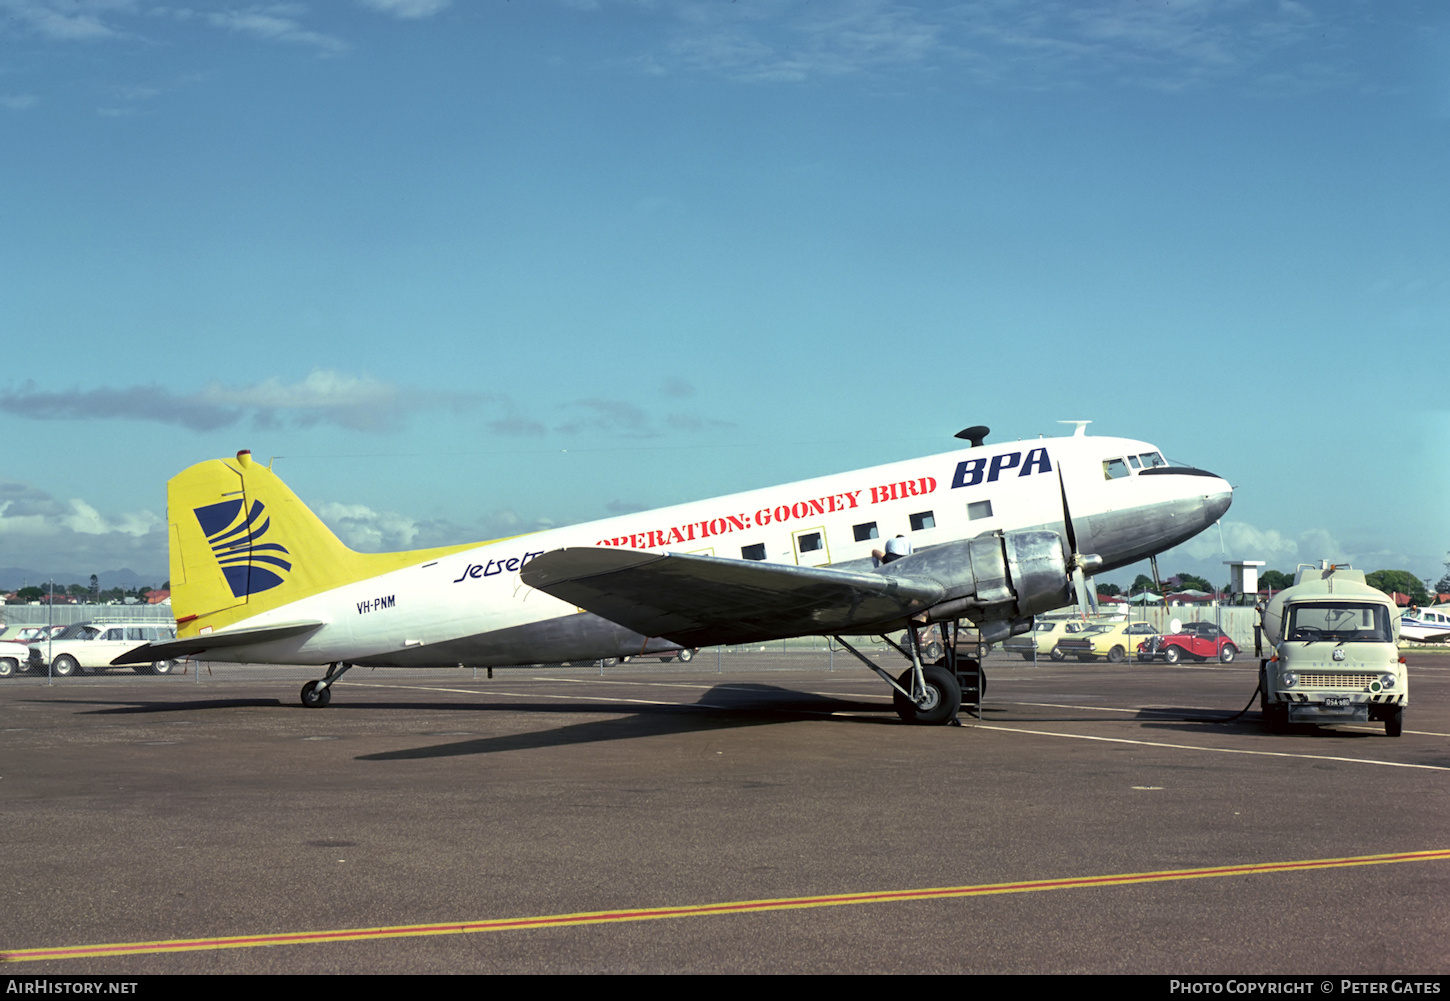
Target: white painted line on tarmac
1216	750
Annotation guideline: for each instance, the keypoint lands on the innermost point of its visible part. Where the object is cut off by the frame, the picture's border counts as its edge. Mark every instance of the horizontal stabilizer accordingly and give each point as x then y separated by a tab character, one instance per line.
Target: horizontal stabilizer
704	600
193	645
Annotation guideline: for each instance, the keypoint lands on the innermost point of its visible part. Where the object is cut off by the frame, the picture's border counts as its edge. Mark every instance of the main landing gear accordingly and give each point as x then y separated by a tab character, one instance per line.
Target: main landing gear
931	694
317	694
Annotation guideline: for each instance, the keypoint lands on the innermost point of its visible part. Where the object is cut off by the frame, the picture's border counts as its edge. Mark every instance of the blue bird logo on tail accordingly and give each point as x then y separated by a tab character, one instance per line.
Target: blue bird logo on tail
236	542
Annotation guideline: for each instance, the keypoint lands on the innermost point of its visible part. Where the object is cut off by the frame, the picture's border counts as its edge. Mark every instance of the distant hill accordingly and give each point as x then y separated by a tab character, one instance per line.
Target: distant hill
12	578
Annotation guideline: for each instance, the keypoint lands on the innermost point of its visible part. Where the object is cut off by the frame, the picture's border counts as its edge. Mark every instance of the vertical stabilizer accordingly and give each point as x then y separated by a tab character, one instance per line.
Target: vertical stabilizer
243	543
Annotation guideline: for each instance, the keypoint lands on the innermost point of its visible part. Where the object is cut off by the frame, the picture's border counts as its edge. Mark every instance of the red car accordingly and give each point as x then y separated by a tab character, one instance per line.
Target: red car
1196	640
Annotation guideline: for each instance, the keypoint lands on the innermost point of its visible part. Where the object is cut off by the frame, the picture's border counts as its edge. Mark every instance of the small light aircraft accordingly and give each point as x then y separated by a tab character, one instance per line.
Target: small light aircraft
999	533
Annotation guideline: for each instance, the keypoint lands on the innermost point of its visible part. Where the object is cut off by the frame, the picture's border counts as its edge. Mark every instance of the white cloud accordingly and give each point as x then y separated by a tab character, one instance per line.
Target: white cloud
371	531
68	21
18	102
325	396
407	9
272	24
45	534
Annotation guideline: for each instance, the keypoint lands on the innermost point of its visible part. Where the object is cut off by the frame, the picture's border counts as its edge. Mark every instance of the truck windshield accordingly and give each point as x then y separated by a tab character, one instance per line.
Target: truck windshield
1339	621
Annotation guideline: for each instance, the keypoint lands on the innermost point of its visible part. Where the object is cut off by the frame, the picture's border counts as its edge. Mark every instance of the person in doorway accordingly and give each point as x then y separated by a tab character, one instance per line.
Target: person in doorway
895	549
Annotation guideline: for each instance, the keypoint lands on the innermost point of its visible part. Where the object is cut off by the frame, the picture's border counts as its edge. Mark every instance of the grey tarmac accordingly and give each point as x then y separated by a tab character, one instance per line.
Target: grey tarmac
140	809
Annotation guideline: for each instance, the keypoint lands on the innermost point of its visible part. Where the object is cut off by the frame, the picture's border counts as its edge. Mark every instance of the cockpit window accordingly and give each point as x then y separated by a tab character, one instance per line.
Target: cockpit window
1152	460
1114	469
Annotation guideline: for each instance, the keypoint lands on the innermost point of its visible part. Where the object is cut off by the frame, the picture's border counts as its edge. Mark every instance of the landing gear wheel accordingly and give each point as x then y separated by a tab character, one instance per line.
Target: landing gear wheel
1117	655
64	666
8	666
685	656
315	695
1171	655
1228	653
940	702
1395	722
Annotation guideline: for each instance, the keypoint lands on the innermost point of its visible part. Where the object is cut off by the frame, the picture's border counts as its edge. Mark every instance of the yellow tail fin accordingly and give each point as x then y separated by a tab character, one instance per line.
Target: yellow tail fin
242	543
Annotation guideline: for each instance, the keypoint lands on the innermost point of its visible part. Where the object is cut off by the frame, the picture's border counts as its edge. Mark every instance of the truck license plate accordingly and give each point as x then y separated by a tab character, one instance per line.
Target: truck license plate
1336	700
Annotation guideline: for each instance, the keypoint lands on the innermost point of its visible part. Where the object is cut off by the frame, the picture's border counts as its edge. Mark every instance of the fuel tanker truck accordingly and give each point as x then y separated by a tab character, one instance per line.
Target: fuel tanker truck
1334	657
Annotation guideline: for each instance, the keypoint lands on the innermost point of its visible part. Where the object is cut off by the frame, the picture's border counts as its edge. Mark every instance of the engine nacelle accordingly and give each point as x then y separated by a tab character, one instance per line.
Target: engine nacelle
1009	577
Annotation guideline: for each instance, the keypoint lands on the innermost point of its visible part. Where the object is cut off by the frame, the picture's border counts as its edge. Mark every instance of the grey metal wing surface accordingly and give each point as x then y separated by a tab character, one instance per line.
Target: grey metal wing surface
706	600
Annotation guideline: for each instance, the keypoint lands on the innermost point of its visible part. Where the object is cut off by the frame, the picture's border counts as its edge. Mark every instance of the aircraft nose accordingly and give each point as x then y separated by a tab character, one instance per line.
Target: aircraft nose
1216	500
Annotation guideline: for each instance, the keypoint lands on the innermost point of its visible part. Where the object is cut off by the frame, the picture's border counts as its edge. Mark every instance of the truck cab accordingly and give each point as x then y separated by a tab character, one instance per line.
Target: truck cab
1334	655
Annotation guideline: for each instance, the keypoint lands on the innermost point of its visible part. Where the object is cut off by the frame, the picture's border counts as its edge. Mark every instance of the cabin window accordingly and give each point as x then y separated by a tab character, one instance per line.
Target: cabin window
1114	469
866	531
755	552
922	521
978	510
810	542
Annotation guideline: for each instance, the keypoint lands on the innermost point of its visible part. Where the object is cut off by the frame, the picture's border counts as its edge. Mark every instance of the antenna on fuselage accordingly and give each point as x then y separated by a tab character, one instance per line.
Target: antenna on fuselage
1081	431
975	434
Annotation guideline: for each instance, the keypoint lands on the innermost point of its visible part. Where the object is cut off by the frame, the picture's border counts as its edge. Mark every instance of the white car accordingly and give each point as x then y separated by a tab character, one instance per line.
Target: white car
91	646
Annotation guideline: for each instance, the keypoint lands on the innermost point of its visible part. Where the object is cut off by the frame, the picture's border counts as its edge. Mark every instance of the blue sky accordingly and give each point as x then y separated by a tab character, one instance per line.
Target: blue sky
470	269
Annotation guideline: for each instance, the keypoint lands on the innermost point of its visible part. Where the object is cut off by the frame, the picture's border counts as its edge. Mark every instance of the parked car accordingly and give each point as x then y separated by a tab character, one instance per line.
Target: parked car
1111	640
1043	638
91	646
1196	640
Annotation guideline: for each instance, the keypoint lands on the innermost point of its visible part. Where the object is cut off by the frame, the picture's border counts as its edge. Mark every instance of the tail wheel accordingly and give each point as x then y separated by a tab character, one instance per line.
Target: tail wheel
938	704
315	695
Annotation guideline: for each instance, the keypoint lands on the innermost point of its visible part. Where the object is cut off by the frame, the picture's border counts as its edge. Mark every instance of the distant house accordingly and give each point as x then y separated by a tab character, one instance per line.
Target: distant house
158	597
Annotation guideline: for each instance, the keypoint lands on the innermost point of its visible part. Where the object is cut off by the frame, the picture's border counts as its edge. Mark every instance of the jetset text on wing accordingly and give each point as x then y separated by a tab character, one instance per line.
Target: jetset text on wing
494	567
847	500
983	469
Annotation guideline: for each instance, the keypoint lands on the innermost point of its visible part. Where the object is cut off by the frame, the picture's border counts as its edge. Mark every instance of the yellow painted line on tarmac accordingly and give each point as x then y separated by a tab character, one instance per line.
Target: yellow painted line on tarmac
1214	750
700	910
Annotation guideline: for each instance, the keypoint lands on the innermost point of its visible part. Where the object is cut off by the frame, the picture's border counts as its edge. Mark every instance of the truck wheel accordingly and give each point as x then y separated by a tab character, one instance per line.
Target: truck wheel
1395	722
1228	653
1117	655
1171	655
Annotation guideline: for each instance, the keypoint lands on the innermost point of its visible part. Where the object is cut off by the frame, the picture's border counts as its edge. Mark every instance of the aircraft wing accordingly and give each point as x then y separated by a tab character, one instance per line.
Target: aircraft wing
704	600
193	645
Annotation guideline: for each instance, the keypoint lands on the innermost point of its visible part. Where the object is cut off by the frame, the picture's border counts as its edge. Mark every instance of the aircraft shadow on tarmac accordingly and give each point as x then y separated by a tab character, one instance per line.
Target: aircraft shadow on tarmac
724	707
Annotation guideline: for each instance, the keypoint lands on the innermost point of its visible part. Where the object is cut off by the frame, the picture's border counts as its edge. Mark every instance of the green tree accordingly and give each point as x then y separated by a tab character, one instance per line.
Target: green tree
1275	580
30	593
1192	582
1442	585
1142	583
1402	581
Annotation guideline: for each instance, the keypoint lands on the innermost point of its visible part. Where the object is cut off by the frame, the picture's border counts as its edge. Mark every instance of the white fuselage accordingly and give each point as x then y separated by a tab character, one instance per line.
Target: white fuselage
472	608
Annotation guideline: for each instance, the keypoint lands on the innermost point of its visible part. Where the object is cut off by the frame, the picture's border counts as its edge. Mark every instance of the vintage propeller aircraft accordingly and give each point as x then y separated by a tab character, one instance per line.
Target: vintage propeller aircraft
999	533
